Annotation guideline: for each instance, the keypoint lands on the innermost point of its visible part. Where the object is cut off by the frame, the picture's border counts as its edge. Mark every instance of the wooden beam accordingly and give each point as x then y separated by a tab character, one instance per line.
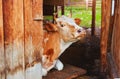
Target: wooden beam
54	2
116	37
56	11
33	38
106	11
2	57
112	66
14	38
62	9
93	17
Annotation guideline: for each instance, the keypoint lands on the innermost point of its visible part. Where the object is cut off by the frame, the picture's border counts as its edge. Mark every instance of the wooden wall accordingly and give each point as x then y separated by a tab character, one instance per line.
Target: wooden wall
115	47
2	60
20	39
110	36
106	11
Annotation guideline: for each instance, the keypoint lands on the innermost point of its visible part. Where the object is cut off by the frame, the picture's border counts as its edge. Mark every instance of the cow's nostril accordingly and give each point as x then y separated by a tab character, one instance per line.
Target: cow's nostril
79	31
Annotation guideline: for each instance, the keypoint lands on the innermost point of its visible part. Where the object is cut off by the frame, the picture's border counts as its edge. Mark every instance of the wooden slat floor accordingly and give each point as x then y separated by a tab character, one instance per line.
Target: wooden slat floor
69	72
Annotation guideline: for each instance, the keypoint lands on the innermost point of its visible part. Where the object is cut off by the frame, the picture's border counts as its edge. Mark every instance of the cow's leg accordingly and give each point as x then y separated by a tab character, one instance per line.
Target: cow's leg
59	65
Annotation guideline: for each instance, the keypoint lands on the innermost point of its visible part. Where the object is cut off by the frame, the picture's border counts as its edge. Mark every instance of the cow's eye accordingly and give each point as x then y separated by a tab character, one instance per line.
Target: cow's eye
79	31
62	25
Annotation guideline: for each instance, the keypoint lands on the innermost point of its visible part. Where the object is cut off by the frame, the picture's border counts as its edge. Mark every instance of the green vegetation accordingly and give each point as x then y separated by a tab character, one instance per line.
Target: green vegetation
84	15
80	11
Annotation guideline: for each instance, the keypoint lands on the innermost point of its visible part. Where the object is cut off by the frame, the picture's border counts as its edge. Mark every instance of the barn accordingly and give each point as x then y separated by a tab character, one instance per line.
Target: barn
21	39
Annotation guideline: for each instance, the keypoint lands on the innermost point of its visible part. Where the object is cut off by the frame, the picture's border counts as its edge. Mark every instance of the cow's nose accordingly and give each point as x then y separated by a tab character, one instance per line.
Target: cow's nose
79	30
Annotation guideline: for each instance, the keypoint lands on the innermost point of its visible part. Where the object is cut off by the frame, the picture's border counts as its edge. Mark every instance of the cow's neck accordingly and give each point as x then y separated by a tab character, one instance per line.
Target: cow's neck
64	45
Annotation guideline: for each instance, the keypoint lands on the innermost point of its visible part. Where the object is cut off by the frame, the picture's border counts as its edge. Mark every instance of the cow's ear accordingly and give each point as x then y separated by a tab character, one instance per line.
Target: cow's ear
51	27
77	21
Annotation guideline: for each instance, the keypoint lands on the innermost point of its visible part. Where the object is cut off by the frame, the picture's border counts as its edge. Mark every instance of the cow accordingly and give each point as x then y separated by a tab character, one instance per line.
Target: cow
57	38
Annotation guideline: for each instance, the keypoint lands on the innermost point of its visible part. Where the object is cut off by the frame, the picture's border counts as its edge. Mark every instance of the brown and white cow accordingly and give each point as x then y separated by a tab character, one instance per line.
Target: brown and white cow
57	38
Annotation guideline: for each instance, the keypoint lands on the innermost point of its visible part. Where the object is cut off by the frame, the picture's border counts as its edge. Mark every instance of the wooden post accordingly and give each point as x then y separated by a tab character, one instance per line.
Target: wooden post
2	57
56	10
106	11
62	8
93	17
33	38
14	38
111	27
55	14
115	49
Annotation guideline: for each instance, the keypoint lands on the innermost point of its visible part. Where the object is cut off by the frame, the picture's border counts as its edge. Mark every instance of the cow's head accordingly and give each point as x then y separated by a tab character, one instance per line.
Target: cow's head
69	30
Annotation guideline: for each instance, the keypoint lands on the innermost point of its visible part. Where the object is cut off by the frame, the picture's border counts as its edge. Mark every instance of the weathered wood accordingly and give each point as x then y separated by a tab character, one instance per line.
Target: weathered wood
33	38
62	10
112	67
111	27
56	10
106	11
115	47
93	17
2	61
69	72
14	38
54	2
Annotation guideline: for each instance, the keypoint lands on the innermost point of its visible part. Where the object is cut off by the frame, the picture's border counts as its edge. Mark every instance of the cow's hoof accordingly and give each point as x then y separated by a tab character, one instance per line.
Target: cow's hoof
44	72
59	65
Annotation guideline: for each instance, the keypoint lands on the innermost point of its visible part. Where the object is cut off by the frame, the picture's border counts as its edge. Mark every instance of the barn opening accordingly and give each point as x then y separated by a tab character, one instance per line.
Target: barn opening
86	52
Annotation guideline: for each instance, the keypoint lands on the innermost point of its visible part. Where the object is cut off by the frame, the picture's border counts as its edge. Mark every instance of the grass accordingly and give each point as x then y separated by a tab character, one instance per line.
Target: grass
84	15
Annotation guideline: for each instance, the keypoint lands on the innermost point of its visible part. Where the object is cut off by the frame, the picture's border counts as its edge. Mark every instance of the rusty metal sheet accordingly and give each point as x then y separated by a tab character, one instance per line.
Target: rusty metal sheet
2	61
33	38
14	38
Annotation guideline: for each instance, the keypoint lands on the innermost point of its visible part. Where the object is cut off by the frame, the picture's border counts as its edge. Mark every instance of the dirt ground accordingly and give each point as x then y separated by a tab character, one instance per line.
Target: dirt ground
85	54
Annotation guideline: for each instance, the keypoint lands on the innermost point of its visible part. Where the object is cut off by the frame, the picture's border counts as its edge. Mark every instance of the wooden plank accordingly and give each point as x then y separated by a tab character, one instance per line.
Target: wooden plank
62	10
69	72
112	66
33	38
14	38
54	2
56	11
106	10
116	36
93	17
2	61
111	27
